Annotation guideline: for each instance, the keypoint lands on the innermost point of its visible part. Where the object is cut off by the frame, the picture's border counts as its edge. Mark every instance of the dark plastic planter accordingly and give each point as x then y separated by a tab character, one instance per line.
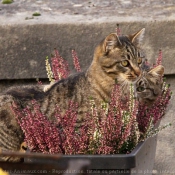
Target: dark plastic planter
139	161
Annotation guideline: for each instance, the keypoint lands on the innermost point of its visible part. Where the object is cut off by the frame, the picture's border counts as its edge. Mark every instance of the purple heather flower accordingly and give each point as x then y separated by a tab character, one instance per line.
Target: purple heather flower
76	61
159	59
60	66
118	31
116	127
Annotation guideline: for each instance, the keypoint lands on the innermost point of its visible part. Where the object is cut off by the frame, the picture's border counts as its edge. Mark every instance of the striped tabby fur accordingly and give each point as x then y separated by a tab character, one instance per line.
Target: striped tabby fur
149	85
115	58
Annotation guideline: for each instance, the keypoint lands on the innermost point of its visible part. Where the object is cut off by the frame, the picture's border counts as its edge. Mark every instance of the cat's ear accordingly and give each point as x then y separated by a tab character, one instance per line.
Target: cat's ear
110	42
137	37
157	71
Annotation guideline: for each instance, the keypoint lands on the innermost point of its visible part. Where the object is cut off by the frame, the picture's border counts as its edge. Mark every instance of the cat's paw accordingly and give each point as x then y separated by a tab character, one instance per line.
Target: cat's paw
23	147
47	87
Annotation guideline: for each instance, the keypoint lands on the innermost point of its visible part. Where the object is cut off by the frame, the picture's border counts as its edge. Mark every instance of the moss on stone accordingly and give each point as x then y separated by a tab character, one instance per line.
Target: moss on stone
7	1
36	14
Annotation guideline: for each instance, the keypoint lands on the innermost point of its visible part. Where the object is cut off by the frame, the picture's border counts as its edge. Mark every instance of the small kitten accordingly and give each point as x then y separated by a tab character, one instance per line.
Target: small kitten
149	85
115	58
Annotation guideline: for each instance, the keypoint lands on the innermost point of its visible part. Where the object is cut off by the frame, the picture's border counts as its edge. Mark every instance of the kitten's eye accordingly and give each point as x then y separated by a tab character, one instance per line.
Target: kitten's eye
140	89
125	63
139	60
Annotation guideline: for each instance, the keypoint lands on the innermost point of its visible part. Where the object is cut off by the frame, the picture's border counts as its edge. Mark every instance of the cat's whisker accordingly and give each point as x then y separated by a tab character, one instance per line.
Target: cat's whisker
124	86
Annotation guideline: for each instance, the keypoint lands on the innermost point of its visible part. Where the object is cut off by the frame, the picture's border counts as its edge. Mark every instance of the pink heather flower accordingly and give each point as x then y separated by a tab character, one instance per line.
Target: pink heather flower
60	67
159	59
44	136
39	81
40	134
155	112
118	31
76	61
116	127
146	65
75	140
109	130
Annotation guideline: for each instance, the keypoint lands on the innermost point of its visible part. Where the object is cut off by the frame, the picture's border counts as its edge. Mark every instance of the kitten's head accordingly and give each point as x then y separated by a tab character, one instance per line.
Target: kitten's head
120	56
149	85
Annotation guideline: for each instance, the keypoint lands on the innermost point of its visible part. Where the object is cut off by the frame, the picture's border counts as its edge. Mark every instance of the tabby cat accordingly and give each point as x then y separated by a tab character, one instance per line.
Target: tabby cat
149	85
115	58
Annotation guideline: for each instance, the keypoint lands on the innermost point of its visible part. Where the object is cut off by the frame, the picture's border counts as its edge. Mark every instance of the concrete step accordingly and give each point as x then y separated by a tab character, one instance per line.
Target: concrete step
26	40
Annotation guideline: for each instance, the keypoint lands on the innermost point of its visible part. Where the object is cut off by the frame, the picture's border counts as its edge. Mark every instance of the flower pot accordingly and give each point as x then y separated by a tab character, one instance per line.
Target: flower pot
139	161
39	163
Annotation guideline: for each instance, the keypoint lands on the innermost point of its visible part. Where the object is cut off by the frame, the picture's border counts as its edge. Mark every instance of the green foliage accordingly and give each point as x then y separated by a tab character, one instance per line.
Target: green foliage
36	14
7	1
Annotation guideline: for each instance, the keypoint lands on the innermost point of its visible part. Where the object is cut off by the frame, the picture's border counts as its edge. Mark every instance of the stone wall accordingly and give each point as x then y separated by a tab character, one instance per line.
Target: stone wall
25	41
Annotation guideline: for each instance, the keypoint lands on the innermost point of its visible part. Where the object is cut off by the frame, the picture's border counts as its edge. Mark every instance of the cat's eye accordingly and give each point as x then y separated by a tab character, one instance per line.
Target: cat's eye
139	60
125	63
140	89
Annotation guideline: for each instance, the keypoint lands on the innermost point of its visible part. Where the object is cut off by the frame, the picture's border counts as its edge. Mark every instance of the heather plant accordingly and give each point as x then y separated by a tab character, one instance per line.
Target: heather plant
117	127
49	70
59	136
40	134
149	116
159	59
117	124
118	31
104	131
76	61
58	69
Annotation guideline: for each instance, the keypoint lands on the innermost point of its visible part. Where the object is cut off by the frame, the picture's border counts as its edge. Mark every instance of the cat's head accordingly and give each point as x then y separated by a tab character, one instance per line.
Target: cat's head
120	56
149	85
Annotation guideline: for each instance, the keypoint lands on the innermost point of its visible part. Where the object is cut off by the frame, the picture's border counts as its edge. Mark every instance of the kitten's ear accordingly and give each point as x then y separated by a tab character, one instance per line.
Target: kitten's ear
137	37
110	42
157	71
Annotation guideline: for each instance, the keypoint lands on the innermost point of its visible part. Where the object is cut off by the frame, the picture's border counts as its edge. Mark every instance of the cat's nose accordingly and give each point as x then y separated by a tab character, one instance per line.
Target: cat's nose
137	72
